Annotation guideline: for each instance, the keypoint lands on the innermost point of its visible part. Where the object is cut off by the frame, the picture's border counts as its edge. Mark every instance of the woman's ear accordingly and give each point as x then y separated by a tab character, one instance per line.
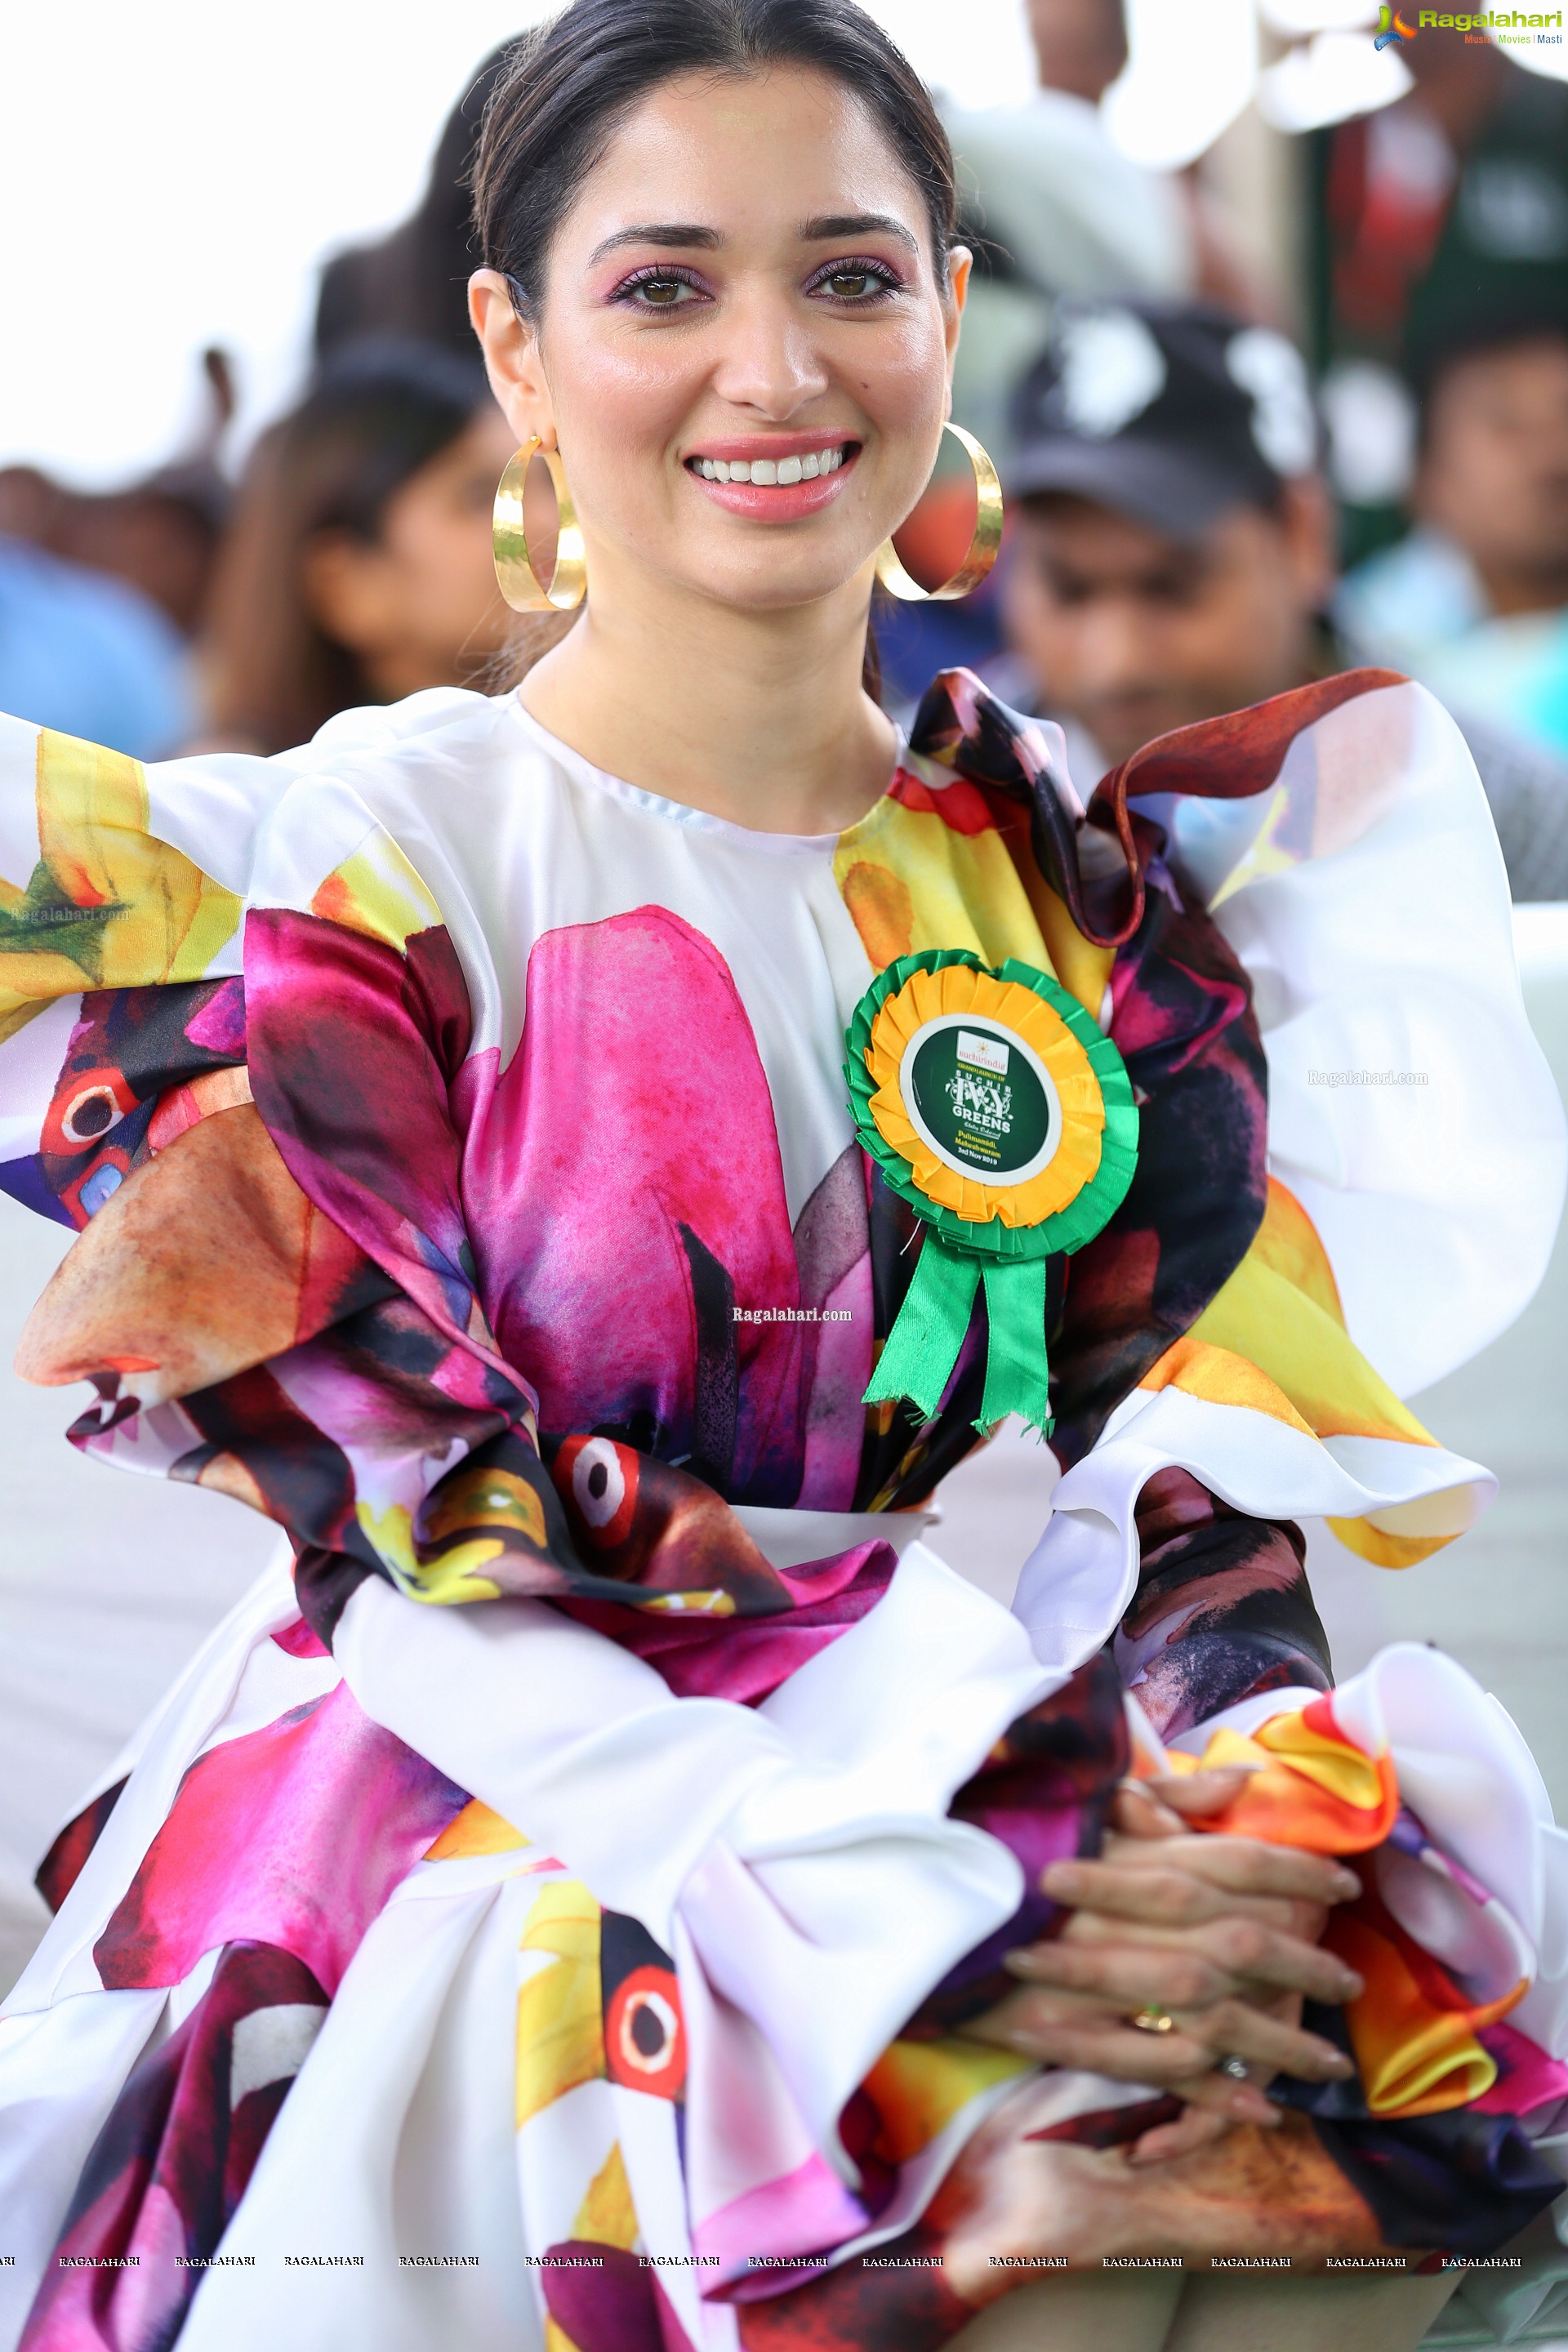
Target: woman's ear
513	358
960	262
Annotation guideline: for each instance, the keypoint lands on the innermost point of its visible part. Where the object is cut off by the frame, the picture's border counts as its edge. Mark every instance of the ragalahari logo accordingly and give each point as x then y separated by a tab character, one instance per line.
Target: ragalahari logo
1511	25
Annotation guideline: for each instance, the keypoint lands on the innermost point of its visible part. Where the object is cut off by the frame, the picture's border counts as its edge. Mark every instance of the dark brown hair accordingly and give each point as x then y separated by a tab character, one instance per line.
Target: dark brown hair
377	413
570	83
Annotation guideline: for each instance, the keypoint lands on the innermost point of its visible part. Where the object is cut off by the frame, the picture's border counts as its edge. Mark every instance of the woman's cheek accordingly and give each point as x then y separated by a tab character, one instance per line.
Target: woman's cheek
904	392
616	446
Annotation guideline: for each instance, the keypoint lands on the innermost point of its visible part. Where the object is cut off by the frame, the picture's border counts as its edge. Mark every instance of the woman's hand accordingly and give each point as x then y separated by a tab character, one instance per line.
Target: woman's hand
1218	1933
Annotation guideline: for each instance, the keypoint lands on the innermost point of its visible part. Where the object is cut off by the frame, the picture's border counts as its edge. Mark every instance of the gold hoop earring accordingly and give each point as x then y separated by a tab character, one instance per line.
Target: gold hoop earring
515	575
982	547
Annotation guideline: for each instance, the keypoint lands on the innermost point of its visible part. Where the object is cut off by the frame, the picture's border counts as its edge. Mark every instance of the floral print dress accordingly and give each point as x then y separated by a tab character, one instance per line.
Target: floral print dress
548	1910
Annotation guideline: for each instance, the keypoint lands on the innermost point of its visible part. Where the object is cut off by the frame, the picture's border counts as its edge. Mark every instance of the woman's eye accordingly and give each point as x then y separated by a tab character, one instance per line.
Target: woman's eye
853	283
659	291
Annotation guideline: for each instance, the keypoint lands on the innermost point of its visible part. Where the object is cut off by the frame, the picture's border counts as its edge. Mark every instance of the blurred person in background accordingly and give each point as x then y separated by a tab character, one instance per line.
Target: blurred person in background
103	591
415	281
1461	185
1475	601
161	532
1463	181
1052	209
358	568
89	655
1173	554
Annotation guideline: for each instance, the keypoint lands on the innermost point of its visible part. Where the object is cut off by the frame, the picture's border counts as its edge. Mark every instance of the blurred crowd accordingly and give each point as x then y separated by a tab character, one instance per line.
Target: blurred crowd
1217	488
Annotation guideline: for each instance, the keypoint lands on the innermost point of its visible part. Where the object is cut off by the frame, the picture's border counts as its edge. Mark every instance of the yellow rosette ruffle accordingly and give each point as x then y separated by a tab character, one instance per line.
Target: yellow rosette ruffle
965	988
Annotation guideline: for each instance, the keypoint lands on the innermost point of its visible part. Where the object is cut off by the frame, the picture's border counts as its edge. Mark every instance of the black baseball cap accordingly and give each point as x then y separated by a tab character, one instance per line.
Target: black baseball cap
1171	415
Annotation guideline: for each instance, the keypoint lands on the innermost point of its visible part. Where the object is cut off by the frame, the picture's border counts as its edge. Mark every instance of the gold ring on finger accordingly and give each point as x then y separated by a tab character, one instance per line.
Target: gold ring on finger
1152	2019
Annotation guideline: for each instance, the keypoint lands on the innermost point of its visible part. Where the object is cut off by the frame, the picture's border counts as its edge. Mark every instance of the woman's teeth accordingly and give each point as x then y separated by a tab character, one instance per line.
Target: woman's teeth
767	471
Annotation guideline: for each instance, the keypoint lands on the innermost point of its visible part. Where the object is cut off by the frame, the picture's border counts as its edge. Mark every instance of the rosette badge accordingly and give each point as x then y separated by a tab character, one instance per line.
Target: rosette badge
1002	1113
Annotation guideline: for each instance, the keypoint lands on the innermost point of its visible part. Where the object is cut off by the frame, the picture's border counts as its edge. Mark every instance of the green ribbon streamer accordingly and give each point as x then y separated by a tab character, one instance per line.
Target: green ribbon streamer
928	1332
931	1325
1017	1376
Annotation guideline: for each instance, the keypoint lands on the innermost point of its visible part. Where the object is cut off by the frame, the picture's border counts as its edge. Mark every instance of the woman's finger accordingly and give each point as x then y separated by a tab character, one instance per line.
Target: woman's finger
1089	1924
1170	1898
1193	1795
1253	1953
1126	1976
1216	2092
1242	1866
1246	1953
1247	1865
1189	1968
1234	2028
1136	1812
1184	1968
1098	2044
1194	2127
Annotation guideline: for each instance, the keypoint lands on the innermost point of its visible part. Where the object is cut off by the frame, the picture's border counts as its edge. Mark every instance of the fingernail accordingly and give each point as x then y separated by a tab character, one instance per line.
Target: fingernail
1350	1985
1060	1878
1346	1884
1338	2064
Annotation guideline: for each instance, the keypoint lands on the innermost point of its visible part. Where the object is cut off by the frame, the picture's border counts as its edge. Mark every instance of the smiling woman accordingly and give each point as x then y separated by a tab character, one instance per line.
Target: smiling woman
677	319
586	1163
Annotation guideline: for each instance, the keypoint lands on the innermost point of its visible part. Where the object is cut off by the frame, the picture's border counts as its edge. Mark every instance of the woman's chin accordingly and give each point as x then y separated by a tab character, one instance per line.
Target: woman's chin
778	577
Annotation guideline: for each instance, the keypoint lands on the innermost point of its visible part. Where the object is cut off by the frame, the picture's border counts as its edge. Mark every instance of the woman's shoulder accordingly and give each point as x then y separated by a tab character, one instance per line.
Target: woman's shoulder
426	771
374	750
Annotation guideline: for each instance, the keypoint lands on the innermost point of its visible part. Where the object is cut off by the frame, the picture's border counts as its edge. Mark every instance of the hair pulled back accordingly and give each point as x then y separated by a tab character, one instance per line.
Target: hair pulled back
569	84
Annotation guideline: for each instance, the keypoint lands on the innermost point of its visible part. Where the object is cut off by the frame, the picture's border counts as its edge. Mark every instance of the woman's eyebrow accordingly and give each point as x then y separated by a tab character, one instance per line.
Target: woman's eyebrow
680	233
691	234
836	224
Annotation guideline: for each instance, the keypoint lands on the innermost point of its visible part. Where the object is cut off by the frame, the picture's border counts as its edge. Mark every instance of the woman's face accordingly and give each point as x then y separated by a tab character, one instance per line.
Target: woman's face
745	287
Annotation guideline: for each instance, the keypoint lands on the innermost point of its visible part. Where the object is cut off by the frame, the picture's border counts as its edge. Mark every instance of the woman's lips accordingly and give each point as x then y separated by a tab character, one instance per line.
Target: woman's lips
775	488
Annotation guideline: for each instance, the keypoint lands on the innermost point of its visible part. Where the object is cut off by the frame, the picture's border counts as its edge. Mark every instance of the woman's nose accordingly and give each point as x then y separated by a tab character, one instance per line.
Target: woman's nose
769	360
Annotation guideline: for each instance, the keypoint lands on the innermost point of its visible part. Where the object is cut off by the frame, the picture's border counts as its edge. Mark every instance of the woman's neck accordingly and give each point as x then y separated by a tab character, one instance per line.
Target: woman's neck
756	717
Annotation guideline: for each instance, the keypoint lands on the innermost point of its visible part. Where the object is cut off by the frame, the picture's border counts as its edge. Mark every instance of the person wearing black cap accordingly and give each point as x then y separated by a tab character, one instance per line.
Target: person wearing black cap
1173	552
